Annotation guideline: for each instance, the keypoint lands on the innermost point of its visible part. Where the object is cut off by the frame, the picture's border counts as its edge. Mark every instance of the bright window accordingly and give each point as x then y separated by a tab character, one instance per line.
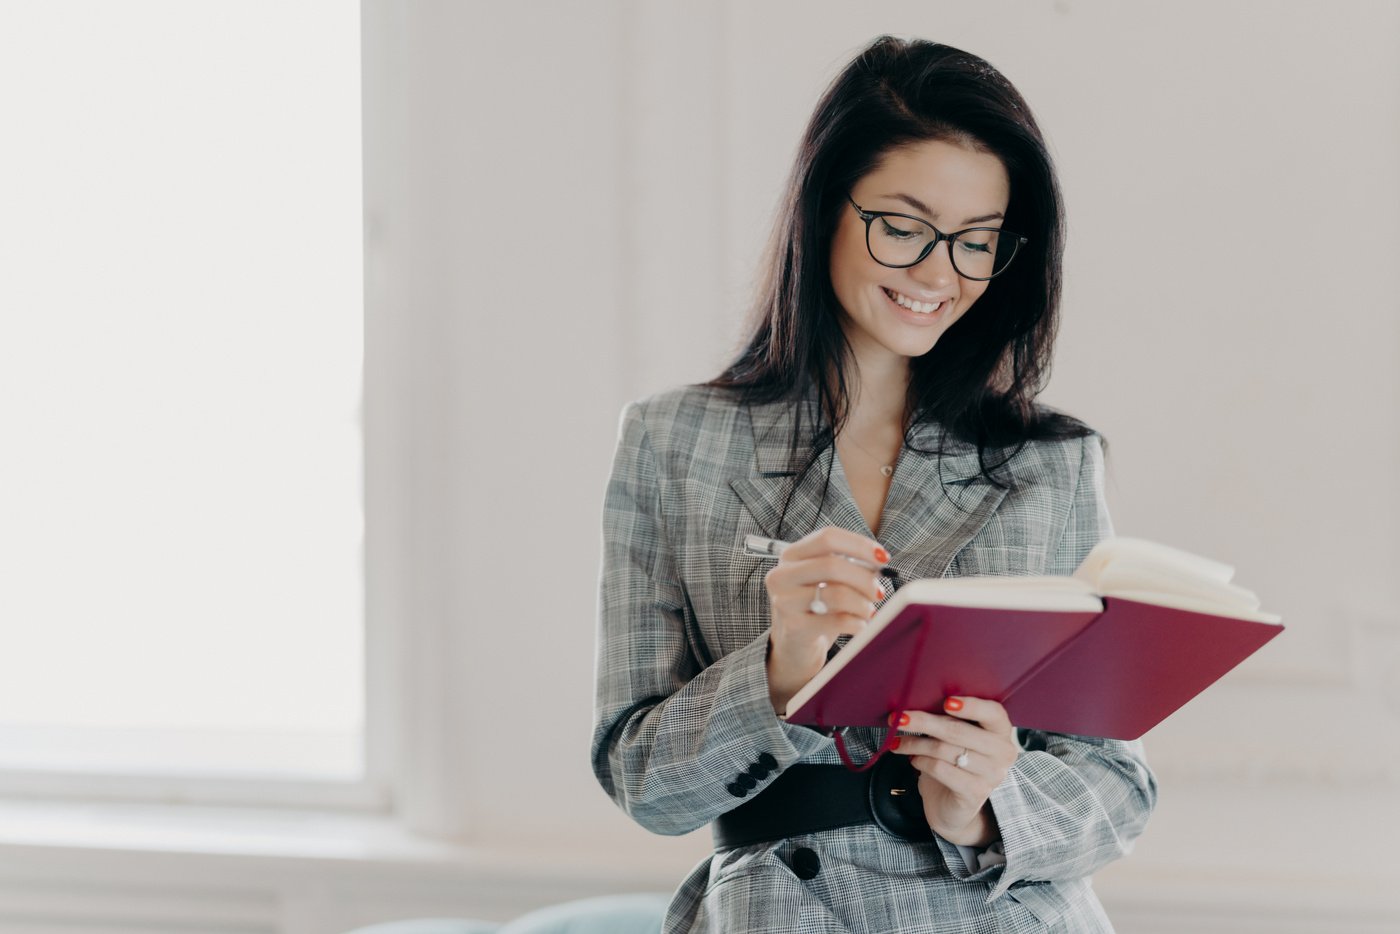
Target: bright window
180	369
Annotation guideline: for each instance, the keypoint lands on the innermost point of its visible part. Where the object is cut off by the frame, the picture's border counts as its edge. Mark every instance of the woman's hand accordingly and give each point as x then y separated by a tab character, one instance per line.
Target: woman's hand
955	798
800	639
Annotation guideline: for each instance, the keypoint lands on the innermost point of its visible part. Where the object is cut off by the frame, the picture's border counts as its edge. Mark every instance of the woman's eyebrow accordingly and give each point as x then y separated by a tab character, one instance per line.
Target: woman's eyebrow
933	215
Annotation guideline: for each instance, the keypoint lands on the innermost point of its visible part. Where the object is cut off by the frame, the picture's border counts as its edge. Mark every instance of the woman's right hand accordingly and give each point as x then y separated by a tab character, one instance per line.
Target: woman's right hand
799	639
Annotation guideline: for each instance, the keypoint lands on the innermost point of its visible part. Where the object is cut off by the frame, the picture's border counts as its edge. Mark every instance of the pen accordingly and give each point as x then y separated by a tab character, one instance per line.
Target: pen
771	548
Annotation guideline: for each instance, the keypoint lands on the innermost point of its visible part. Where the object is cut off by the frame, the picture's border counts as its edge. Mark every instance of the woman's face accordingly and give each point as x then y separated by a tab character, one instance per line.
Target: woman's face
948	185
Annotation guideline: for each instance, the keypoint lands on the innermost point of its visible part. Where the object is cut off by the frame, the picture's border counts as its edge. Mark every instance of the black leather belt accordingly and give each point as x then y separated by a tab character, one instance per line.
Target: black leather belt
808	798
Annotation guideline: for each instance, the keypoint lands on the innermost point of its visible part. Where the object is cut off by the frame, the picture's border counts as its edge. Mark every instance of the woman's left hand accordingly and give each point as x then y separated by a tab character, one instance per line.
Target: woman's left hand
955	798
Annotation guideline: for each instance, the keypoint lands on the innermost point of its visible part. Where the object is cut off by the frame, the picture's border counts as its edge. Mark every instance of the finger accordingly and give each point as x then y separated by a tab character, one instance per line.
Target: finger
795	595
846	613
936	749
798	617
989	713
835	540
838	601
829	569
985	714
962	782
958	732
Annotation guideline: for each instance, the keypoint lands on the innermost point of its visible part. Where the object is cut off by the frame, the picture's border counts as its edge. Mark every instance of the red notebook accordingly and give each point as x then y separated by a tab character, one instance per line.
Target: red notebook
1139	630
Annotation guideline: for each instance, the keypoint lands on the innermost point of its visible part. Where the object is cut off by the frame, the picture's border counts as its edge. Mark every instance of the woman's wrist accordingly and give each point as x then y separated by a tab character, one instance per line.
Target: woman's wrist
782	684
981	831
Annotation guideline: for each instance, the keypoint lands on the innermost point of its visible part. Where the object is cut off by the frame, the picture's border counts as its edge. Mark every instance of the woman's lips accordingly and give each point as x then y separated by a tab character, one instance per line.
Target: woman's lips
917	317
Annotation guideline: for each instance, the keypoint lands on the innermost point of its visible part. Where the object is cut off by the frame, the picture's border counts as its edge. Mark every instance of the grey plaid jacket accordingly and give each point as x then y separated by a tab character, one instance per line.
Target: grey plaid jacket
682	698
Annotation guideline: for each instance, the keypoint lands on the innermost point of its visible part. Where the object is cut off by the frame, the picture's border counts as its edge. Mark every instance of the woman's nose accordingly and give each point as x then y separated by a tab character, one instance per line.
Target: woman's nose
936	270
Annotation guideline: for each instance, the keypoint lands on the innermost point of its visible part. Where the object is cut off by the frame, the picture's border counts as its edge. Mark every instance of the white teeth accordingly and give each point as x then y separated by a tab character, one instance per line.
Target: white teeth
922	308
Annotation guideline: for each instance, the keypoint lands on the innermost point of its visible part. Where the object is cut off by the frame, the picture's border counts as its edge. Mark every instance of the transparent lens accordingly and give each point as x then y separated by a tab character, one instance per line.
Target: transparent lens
983	252
899	241
978	252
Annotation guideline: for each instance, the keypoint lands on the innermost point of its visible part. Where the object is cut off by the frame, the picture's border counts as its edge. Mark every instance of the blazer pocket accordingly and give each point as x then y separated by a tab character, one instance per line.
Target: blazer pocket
752	861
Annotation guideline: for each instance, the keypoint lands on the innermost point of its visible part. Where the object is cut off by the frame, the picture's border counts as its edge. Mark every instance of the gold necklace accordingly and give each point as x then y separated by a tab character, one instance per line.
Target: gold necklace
886	469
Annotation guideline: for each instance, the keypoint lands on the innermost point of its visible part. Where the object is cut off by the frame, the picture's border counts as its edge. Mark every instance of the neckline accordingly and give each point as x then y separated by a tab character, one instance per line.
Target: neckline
847	506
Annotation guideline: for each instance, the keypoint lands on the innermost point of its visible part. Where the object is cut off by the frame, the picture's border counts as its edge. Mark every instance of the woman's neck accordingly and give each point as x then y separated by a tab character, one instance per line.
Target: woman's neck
879	395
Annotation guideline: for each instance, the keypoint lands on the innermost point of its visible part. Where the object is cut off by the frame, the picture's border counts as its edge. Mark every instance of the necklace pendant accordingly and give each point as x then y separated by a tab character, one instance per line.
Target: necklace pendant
887	470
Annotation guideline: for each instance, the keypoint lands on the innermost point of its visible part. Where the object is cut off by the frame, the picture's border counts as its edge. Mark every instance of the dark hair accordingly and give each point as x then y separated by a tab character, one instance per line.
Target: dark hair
980	379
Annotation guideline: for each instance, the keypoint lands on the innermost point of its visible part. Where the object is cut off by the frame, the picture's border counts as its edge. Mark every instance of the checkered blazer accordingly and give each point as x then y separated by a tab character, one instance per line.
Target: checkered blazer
682	697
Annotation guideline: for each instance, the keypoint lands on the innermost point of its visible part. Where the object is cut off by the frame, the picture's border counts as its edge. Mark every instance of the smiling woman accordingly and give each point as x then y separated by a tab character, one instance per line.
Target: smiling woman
881	414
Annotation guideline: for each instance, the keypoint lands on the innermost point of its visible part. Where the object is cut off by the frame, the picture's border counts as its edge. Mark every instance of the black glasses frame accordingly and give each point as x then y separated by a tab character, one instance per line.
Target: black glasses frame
938	237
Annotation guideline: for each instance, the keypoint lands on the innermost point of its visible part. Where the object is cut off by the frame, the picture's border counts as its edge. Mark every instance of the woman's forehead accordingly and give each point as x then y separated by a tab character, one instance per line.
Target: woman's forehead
935	178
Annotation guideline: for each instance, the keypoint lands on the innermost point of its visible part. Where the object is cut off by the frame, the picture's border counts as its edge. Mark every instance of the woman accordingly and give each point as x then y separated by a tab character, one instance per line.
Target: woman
882	410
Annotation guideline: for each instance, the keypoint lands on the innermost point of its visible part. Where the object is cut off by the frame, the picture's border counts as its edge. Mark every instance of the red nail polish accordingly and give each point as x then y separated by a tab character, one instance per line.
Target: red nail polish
879	593
952	703
904	719
882	556
895	744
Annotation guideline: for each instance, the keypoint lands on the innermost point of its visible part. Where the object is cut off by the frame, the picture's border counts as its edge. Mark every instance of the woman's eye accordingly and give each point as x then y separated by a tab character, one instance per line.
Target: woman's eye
979	248
897	233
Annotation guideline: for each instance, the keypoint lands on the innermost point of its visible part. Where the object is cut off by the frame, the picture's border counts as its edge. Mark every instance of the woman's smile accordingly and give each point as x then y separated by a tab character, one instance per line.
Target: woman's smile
920	313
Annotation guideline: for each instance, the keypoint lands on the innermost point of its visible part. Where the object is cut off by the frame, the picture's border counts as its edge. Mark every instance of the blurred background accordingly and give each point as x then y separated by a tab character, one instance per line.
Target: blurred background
316	319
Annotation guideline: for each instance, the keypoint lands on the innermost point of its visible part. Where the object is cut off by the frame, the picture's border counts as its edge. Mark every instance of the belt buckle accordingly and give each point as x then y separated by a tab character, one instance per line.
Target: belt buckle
895	802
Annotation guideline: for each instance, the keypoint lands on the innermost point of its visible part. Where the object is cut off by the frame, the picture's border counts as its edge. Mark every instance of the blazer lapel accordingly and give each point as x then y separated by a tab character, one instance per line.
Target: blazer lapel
933	509
935	506
814	502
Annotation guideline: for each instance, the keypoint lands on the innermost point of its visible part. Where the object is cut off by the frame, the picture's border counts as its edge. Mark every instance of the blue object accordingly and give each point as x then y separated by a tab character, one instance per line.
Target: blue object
431	926
605	914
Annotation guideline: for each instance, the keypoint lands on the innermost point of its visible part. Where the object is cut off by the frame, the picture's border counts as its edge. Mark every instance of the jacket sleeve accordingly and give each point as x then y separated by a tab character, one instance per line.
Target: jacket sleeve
674	744
1069	804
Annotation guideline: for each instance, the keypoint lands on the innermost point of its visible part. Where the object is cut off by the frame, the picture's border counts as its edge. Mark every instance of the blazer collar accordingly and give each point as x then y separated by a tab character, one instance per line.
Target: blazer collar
773	425
934	507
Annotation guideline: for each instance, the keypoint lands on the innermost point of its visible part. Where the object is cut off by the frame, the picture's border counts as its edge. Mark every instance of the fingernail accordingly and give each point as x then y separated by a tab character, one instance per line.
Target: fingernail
895	744
952	703
879	593
903	720
882	556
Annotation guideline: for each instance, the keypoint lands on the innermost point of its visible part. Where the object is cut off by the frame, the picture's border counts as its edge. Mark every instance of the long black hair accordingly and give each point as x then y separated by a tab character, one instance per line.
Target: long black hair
980	380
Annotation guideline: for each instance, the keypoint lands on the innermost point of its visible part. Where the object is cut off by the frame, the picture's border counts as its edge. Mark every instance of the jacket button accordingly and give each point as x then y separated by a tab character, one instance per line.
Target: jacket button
736	789
805	864
767	761
759	771
748	782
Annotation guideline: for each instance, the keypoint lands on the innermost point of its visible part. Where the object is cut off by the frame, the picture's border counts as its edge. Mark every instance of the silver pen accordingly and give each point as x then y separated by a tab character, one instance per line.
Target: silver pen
762	547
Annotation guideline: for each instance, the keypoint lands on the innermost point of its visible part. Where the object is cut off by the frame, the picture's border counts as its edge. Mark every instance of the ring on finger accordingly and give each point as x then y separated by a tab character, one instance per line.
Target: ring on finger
818	606
961	760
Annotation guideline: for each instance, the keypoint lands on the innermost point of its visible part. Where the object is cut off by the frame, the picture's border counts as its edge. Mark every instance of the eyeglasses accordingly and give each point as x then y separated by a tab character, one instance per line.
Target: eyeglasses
899	241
